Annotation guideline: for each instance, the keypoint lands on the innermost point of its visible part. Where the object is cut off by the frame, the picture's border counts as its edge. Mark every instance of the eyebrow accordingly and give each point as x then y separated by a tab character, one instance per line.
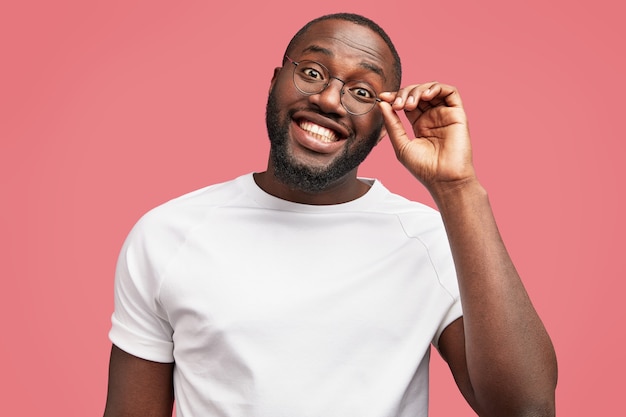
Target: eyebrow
366	65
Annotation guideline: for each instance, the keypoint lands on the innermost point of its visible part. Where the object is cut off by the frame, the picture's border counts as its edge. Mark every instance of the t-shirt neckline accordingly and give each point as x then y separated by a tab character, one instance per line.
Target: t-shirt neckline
264	199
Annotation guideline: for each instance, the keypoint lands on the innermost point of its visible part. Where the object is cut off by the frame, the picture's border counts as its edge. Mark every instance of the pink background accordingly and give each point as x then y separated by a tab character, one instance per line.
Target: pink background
110	108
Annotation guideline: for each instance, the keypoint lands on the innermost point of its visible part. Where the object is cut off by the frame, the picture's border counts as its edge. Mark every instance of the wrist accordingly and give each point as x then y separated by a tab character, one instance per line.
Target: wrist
452	193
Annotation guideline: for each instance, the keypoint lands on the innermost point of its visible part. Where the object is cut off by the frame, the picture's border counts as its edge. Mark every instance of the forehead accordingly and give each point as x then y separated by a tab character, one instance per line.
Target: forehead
346	42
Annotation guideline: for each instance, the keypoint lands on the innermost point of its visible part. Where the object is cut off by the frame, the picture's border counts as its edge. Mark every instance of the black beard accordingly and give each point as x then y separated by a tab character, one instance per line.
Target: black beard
298	176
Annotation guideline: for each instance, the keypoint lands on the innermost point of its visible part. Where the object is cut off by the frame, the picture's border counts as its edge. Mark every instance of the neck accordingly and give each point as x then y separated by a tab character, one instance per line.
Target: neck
346	189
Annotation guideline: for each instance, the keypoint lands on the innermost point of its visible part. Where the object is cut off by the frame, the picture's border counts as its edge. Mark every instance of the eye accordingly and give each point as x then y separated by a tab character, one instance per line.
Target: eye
362	92
312	73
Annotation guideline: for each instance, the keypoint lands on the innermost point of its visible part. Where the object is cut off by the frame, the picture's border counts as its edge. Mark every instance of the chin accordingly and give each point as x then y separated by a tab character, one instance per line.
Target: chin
299	175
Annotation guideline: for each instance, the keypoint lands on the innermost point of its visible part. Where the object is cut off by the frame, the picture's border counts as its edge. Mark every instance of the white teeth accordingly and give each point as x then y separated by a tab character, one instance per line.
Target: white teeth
320	132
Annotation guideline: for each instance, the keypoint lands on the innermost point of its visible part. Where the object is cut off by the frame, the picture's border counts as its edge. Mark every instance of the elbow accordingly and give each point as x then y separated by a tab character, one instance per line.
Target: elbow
537	408
540	403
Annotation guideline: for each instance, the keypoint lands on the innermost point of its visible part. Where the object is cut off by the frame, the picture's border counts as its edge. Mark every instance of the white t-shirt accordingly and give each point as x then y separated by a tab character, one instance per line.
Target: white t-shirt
271	308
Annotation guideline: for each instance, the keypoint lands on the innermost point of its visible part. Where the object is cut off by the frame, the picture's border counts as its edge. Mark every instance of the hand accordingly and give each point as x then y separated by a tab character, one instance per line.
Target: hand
440	153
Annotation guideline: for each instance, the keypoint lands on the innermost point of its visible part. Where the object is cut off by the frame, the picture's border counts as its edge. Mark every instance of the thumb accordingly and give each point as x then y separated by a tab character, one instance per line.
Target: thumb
393	124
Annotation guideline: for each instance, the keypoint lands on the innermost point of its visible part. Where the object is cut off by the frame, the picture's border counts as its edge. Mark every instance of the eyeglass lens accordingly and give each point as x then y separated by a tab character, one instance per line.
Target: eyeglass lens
310	77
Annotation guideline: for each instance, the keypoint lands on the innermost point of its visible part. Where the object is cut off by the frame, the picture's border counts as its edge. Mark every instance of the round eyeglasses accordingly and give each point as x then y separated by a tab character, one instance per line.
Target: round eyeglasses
311	77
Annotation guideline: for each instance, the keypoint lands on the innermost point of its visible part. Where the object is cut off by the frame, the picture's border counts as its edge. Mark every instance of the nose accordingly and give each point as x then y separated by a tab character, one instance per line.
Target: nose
329	99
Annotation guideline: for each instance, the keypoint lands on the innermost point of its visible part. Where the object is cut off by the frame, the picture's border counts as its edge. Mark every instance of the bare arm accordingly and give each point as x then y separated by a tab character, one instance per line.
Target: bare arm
500	354
137	387
510	360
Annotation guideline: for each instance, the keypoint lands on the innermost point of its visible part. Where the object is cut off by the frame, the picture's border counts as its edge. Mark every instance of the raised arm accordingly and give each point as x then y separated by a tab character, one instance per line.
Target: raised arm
137	387
499	352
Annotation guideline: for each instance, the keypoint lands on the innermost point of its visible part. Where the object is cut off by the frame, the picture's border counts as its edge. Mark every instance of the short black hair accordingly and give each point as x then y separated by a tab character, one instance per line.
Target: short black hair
362	21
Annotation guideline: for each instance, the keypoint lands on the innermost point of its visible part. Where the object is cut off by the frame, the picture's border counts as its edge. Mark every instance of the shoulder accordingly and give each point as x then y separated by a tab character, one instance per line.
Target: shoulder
165	227
415	217
215	195
191	207
423	224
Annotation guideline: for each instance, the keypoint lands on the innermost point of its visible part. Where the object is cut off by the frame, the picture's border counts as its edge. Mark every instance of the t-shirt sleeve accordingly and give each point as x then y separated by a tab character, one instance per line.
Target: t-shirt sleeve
139	323
450	308
454	312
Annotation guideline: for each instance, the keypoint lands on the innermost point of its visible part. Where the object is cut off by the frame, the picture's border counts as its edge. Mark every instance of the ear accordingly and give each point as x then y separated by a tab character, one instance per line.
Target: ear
274	77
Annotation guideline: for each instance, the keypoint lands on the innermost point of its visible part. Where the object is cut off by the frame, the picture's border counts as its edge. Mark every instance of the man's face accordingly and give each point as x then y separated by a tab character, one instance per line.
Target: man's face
315	142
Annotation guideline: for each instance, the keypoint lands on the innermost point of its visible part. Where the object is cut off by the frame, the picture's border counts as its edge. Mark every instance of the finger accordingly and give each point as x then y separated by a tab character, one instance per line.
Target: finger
410	96
445	94
394	127
388	96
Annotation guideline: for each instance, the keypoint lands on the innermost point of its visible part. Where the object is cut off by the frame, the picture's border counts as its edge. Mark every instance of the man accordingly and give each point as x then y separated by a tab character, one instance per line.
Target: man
307	291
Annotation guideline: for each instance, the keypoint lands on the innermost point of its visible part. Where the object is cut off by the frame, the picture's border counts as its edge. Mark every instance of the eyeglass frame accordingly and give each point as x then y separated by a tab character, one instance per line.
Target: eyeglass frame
330	77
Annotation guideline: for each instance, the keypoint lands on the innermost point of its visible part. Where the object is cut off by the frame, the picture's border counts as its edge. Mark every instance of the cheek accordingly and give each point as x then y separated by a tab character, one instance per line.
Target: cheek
283	87
369	124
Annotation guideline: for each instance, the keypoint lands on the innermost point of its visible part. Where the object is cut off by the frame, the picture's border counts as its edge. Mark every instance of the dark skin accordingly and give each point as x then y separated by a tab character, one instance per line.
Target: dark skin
137	387
499	352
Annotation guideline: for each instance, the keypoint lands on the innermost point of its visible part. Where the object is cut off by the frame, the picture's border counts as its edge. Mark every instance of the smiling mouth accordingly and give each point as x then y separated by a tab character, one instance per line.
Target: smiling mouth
321	133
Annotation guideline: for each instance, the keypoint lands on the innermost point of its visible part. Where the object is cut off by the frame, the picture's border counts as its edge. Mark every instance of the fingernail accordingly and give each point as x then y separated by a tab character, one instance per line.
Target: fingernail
398	100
